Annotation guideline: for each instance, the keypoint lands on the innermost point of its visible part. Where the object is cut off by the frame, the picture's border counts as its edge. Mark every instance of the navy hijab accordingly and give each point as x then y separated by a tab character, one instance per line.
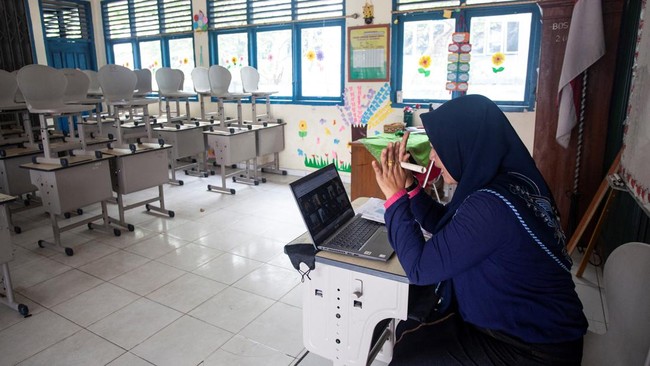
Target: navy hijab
481	151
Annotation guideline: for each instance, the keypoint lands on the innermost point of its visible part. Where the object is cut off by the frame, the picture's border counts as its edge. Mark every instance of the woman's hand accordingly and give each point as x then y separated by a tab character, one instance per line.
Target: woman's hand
391	177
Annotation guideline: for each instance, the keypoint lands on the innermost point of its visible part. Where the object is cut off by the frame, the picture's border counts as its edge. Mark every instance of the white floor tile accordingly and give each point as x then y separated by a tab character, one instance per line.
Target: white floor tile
33	335
227	268
269	281
240	351
191	230
81	349
9	316
280	327
187	341
129	359
95	304
61	288
147	278
231	309
114	265
84	254
127	238
186	292
134	323
259	248
156	246
36	272
225	239
189	257
591	302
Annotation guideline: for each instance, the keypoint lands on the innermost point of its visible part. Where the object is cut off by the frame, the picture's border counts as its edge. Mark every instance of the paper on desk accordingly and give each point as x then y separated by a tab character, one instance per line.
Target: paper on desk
373	210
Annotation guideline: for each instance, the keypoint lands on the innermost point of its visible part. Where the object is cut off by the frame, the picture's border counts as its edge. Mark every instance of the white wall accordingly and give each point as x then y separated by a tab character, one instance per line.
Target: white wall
326	135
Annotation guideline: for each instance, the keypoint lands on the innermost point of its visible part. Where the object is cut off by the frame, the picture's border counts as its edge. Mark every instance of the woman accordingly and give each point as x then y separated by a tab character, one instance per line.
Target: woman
498	242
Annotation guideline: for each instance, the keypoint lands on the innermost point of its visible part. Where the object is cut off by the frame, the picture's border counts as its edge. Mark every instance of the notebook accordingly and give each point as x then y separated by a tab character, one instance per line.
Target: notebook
331	221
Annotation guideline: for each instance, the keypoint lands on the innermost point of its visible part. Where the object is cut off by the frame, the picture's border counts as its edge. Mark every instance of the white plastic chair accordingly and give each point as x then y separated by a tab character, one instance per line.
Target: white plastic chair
118	84
8	92
93	86
76	91
143	84
627	299
201	82
44	88
170	84
220	79
250	80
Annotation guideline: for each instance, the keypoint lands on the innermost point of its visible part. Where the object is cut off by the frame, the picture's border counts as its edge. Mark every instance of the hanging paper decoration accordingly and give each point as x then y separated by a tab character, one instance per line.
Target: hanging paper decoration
458	62
302	128
200	23
497	60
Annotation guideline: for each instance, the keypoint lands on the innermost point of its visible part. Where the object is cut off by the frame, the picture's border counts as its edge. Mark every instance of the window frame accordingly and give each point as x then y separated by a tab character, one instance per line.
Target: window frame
466	14
135	41
296	27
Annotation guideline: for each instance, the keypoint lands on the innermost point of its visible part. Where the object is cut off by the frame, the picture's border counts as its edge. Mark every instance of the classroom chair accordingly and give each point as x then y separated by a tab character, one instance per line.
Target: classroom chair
93	85
201	81
9	105
627	299
220	79
143	85
170	86
250	80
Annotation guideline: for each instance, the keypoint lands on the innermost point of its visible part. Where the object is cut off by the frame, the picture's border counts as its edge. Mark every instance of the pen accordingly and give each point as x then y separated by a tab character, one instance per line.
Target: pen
413	167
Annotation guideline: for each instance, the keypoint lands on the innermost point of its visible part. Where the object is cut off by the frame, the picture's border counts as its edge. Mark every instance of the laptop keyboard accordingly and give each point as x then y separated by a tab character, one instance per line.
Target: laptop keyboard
355	235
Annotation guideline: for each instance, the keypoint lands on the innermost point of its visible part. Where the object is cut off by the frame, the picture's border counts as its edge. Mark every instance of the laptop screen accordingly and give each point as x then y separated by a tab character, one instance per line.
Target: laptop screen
323	202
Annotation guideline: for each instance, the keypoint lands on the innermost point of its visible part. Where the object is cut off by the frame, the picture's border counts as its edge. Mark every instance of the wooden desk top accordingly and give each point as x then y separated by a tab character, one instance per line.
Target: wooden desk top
6	198
14	151
140	148
73	161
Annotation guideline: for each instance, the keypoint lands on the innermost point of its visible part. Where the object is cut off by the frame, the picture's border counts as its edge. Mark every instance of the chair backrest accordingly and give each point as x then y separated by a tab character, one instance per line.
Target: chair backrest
8	89
182	76
627	295
201	80
250	79
77	88
19	94
143	85
117	82
219	79
93	86
43	87
169	80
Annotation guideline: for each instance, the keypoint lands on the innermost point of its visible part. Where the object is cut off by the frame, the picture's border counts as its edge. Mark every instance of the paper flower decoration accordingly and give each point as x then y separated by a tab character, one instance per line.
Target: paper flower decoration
200	23
497	60
302	128
311	55
424	62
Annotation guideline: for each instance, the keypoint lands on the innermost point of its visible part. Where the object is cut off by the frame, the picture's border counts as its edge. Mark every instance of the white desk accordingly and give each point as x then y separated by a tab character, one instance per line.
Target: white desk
187	141
345	300
14	180
232	145
6	255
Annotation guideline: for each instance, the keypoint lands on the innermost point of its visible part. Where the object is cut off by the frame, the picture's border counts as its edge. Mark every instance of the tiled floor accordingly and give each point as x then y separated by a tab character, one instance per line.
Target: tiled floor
210	286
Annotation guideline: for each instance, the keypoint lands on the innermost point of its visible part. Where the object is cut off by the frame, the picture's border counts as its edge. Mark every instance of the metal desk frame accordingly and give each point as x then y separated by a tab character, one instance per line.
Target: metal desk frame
6	255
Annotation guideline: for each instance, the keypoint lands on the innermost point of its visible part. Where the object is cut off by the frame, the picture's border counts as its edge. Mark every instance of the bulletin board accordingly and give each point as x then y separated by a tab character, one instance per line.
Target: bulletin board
634	162
368	53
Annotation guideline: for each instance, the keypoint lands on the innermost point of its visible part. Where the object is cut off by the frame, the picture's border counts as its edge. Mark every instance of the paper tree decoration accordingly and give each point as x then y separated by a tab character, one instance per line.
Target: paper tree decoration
200	23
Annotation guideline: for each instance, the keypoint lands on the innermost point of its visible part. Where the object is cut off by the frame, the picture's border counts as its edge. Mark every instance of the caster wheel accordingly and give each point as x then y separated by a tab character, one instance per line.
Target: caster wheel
117	232
180	182
27	202
209	188
284	172
40	244
205	175
17	230
80	211
214	163
263	180
130	227
185	171
69	252
234	166
90	226
234	179
171	213
257	183
147	207
232	191
66	215
23	310
212	172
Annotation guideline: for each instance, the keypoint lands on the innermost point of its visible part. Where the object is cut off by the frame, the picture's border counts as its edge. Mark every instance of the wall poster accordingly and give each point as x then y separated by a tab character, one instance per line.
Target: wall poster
368	53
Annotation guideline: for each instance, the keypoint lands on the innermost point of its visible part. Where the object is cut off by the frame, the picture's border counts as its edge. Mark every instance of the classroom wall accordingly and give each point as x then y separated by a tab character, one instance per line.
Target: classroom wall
314	135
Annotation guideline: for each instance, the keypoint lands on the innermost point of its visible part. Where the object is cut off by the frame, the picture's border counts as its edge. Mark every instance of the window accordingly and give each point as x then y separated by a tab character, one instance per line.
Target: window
65	19
150	34
296	45
502	63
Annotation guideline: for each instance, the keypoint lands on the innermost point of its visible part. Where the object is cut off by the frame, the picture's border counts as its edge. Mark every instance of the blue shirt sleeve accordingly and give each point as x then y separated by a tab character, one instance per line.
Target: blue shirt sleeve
477	229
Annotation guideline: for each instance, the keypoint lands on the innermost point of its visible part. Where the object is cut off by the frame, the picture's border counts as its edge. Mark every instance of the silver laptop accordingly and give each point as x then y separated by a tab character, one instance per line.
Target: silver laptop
331	221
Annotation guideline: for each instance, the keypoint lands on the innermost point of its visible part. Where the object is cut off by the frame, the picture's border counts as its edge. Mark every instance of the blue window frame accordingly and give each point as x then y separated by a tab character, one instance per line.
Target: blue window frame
138	34
504	38
294	44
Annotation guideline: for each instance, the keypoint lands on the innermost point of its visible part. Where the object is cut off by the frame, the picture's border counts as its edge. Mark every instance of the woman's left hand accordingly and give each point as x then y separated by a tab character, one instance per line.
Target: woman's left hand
391	177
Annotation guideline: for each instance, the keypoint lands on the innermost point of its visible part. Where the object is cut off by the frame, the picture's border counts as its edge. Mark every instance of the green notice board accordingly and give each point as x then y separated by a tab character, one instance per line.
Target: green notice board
368	53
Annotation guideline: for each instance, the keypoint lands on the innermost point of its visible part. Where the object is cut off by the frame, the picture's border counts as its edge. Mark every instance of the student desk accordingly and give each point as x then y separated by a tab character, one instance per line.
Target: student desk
345	300
63	188
14	180
270	141
232	145
187	141
6	255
